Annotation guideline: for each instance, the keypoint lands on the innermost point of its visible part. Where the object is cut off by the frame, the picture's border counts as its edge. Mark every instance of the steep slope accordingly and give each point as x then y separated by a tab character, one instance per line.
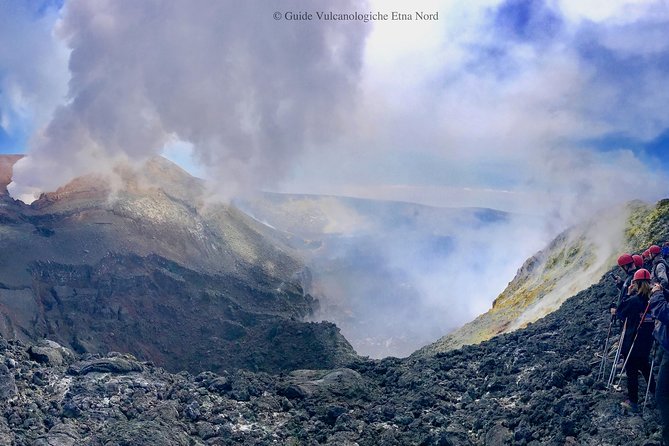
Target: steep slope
572	262
536	386
647	224
139	262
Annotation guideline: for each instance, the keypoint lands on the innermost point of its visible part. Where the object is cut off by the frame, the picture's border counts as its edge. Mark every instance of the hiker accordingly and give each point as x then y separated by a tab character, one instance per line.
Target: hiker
638	339
659	271
647	263
626	263
665	251
659	309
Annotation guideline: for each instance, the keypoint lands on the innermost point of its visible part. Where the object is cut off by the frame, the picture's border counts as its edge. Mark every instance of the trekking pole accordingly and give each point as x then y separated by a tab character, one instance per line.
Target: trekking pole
617	357
629	353
650	378
602	365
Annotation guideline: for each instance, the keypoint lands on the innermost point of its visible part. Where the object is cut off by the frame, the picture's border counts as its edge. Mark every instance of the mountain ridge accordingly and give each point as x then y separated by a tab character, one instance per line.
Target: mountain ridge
112	263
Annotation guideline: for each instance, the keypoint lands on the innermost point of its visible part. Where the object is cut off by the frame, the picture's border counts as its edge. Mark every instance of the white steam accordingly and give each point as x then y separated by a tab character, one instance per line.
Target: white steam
603	236
530	98
396	276
246	90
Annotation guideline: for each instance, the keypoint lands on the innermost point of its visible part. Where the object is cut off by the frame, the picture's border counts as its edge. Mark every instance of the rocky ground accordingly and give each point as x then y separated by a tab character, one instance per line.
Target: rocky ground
535	386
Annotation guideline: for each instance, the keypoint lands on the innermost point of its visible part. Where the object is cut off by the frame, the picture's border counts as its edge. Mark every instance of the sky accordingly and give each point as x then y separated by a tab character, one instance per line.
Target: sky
546	107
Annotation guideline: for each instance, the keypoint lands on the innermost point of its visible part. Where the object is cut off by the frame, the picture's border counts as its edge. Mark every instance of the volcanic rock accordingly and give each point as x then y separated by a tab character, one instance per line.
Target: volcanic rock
8	388
538	385
140	263
105	365
50	352
496	393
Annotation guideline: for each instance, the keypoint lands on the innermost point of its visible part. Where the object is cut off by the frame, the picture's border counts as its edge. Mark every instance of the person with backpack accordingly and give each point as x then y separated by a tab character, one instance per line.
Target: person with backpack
638	337
659	309
647	263
659	271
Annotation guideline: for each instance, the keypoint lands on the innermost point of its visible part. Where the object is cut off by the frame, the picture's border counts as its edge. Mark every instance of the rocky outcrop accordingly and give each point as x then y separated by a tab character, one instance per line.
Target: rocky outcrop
141	264
160	311
535	386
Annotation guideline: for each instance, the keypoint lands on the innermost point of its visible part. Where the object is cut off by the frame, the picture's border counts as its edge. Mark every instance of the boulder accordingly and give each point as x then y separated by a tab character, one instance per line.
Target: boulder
59	435
8	388
339	382
50	352
498	435
105	365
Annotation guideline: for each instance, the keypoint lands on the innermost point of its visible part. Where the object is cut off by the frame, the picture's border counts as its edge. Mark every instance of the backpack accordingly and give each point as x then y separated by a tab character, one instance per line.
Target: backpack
653	274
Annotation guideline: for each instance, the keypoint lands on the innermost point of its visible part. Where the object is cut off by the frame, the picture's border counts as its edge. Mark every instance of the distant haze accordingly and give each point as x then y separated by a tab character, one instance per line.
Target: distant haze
397	276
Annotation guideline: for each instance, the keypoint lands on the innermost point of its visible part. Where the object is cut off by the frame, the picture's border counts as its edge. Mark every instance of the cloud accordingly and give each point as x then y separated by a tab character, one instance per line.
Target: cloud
246	90
517	94
599	11
493	95
507	109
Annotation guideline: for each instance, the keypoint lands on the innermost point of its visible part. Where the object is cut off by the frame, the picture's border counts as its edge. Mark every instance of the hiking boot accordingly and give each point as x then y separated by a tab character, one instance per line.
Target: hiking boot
630	406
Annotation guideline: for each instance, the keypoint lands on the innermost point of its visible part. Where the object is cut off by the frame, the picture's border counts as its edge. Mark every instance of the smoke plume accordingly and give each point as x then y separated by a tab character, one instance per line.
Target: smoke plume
246	90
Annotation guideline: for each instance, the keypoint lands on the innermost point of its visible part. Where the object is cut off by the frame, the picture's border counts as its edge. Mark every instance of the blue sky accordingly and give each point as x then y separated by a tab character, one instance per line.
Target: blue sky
527	21
9	143
33	70
498	103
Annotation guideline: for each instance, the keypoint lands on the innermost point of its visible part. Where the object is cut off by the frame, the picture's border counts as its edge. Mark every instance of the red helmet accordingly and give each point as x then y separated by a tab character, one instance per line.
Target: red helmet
646	254
625	259
641	274
654	250
638	260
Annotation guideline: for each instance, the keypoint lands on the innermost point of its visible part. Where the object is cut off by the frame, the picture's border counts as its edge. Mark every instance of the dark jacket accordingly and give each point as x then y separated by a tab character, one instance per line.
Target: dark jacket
659	308
648	264
622	295
632	309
